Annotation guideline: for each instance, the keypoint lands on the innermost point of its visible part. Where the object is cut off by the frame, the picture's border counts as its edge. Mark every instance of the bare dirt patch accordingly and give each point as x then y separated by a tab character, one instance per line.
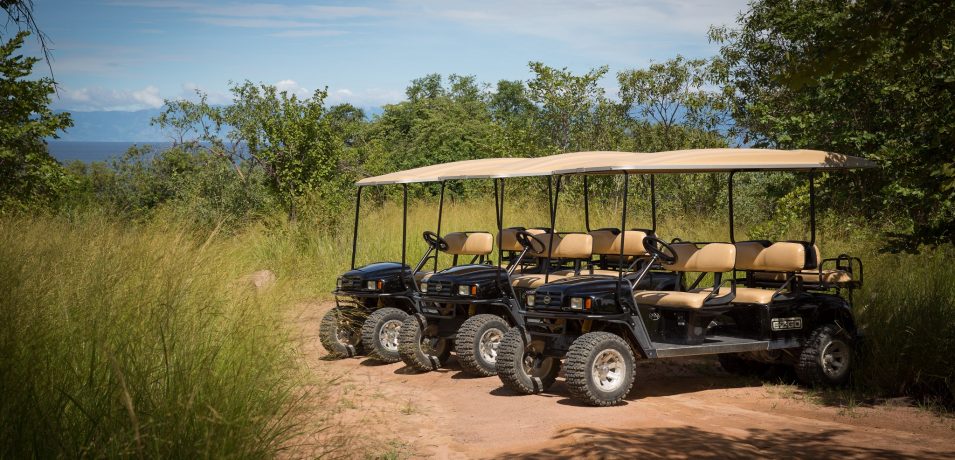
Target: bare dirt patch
680	409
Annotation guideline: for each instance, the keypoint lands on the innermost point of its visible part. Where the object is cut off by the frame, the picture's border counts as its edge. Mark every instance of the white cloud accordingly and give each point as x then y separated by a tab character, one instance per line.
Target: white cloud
97	98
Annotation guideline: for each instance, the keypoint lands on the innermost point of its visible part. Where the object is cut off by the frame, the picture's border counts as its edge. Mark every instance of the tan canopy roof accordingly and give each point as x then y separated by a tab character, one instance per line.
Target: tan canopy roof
709	160
603	162
435	173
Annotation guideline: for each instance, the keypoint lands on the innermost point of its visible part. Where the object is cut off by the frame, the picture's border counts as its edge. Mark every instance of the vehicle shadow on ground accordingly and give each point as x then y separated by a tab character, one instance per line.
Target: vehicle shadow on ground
691	442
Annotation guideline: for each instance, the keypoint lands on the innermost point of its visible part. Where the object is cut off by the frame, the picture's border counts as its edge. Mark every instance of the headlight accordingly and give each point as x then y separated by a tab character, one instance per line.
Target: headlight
530	300
374	285
338	284
580	303
424	287
467	290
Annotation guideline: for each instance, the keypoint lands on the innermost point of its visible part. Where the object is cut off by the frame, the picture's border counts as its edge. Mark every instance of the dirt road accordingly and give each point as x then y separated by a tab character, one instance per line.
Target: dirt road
680	409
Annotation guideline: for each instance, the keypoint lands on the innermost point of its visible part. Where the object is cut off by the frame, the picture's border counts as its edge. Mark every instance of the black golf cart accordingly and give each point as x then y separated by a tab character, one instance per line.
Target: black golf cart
373	300
782	303
470	307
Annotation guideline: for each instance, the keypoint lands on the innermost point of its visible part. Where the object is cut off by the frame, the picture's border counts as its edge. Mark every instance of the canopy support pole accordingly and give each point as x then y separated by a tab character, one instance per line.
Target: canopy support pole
404	230
354	238
812	206
586	205
623	234
731	212
653	204
440	214
553	225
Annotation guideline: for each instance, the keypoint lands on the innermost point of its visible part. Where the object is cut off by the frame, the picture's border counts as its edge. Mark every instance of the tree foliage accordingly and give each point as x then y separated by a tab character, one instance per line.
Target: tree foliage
30	176
868	78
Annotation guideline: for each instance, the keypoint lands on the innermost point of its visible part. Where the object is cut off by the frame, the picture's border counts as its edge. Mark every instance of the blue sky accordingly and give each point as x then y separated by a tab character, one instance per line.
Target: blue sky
132	54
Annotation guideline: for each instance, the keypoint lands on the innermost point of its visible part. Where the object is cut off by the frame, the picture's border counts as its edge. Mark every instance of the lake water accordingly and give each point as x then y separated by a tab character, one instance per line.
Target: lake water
67	151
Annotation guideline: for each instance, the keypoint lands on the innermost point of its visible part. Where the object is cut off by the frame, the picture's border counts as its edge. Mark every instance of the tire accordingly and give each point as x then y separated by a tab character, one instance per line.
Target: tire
417	350
379	334
593	383
339	335
476	344
521	370
735	364
826	360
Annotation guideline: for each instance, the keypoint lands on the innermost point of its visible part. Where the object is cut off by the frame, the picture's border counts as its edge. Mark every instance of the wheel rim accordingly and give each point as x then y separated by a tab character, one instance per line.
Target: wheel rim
430	345
488	343
835	359
388	334
608	370
536	365
344	334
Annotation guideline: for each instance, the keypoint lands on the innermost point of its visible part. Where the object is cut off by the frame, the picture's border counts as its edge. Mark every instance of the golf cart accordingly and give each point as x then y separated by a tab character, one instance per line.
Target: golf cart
470	307
782	304
372	301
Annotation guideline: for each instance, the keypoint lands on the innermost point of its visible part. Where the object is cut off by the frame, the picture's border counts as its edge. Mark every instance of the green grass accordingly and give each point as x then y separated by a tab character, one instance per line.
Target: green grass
139	340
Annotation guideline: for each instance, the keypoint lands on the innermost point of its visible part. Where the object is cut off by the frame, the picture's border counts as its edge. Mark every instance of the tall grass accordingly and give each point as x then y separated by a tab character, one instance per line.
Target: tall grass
138	340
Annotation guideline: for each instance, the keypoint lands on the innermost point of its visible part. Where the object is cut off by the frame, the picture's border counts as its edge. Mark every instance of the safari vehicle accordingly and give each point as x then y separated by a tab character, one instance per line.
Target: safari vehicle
783	304
470	307
373	300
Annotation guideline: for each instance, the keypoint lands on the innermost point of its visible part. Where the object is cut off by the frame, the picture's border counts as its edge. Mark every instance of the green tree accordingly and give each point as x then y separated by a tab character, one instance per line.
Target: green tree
678	104
866	77
288	138
572	110
30	176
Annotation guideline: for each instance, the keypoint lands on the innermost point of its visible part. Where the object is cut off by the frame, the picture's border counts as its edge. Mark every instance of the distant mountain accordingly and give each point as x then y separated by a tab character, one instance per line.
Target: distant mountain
128	127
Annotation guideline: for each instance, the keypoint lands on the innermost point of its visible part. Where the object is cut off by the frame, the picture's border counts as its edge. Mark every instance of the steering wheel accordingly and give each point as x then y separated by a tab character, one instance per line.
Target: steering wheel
661	249
435	241
528	241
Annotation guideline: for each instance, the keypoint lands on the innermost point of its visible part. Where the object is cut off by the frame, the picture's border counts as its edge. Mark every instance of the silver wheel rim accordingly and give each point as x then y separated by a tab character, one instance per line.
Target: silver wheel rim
537	366
835	359
343	335
388	334
608	370
488	343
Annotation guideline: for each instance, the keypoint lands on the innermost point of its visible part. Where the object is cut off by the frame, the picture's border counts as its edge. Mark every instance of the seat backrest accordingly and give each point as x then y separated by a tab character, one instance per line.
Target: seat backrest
607	242
509	239
571	246
710	258
469	244
783	256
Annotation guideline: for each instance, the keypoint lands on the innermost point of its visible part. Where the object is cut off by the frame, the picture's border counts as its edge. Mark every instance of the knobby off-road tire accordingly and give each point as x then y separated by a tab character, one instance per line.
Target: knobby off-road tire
520	369
599	369
827	357
477	342
736	364
339	336
418	351
379	334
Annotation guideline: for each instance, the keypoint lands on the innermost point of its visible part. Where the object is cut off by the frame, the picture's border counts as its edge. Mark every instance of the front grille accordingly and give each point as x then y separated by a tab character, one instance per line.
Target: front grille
544	300
439	287
352	283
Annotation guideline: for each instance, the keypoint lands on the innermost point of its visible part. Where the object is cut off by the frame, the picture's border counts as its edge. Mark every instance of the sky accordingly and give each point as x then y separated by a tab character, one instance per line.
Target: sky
132	54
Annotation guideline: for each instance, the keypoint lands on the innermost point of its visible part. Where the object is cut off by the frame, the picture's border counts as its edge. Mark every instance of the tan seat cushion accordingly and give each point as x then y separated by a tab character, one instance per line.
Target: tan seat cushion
422	276
809	276
607	242
509	239
532	281
777	257
745	294
469	244
672	299
572	246
585	271
710	258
